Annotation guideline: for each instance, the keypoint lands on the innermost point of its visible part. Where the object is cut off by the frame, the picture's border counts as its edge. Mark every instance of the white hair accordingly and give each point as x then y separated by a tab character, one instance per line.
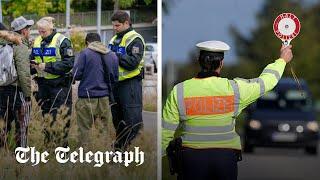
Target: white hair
46	23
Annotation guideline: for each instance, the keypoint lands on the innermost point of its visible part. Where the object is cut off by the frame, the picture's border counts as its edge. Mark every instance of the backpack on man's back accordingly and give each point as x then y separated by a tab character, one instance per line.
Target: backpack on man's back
8	72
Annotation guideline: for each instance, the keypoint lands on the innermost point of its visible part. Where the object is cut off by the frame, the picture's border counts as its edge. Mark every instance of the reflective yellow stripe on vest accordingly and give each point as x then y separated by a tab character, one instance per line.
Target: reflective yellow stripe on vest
126	40
208	136
50	54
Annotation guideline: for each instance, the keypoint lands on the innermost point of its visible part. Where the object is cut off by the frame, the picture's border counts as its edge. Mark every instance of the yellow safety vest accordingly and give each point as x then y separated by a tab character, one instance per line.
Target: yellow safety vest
203	111
50	53
121	48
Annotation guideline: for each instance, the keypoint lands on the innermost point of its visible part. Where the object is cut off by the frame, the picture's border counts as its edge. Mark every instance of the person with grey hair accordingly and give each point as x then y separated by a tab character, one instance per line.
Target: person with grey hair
52	59
15	97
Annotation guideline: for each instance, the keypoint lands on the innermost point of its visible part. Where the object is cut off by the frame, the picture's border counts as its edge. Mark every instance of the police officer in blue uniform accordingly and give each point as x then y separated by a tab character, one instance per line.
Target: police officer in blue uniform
127	112
52	59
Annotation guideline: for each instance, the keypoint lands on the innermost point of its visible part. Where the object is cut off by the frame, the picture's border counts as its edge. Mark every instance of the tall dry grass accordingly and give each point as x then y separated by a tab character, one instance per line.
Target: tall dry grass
100	139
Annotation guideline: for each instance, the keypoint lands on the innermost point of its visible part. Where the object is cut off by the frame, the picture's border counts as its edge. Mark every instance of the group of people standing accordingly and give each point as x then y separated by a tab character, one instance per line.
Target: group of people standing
110	78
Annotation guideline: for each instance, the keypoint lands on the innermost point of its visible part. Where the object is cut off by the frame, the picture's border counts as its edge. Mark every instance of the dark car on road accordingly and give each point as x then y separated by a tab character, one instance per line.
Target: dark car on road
283	117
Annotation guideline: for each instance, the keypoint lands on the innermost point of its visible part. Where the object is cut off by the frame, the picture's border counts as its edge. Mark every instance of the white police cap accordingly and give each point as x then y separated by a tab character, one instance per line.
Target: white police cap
213	46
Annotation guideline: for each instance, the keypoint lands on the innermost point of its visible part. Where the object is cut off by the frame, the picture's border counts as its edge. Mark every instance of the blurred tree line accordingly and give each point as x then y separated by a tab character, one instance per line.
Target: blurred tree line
15	8
262	47
257	51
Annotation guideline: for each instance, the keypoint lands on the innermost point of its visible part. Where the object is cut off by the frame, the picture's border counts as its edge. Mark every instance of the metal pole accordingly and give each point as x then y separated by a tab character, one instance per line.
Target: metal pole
67	14
104	37
98	16
0	12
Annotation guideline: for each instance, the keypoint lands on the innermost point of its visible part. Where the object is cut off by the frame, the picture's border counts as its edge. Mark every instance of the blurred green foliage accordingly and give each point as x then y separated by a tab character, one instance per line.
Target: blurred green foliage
15	8
77	36
126	3
262	46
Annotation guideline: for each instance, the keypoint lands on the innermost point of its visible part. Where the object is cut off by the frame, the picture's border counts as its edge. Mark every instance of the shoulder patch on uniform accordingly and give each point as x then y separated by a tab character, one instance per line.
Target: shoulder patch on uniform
70	52
135	49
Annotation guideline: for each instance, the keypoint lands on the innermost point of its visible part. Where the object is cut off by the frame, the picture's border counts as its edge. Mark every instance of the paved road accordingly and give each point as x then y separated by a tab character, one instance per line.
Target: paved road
279	164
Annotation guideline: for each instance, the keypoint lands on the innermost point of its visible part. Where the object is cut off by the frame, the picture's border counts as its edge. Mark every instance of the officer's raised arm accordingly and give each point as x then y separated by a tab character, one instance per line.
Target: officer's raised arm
251	89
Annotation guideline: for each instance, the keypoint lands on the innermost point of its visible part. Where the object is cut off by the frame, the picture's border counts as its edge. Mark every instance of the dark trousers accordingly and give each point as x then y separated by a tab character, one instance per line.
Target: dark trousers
203	164
127	113
51	96
13	108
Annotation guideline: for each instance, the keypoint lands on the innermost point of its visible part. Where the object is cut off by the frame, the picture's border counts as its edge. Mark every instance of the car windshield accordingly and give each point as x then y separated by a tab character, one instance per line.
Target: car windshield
288	100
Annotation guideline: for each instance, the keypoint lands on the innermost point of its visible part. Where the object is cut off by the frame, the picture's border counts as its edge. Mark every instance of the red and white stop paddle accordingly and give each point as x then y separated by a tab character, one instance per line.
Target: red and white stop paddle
286	27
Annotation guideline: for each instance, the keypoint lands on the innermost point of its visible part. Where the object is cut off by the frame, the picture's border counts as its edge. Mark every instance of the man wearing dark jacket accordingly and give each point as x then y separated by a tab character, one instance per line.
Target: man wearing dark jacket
52	60
97	70
129	47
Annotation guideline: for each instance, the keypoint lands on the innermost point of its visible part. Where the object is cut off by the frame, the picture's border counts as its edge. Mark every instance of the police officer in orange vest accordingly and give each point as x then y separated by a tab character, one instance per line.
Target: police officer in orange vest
200	115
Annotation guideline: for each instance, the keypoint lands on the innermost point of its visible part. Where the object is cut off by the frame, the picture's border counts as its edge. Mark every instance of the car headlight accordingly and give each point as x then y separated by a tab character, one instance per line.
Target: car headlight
284	127
255	124
313	126
299	129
